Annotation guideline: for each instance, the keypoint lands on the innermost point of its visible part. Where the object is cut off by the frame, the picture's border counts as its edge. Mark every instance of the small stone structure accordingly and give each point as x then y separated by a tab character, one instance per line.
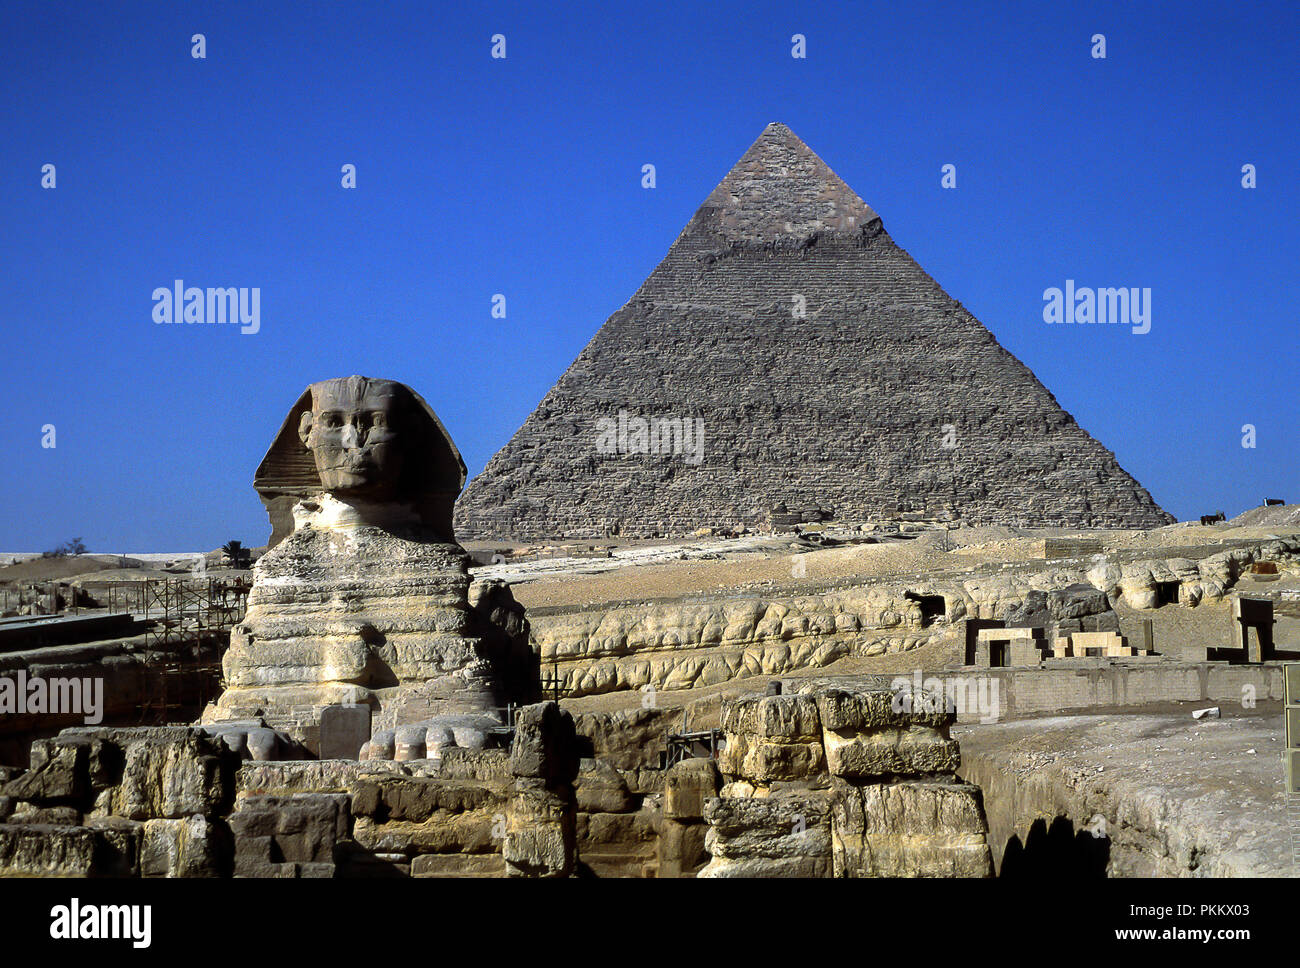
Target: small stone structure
1081	645
1009	647
834	782
1253	627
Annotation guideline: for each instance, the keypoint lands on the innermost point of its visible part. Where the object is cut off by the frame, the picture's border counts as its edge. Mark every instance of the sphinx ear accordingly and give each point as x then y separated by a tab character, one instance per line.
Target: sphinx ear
304	428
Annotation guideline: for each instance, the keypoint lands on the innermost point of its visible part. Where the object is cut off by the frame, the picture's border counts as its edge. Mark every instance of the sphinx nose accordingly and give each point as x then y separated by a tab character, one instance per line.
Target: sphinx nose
349	436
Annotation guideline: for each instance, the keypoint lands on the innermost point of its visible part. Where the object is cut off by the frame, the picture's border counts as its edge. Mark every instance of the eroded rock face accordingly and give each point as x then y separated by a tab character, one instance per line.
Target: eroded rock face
365	597
121	802
842	782
916	828
687	645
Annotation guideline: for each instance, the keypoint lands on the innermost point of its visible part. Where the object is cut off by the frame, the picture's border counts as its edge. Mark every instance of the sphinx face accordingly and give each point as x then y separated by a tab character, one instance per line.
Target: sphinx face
354	432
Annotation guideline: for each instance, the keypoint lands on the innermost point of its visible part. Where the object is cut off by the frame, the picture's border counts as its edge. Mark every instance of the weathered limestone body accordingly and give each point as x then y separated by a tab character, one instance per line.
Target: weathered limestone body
365	597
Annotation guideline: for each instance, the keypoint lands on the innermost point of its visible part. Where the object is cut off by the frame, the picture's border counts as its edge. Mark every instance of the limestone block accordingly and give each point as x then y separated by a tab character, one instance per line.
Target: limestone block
603	829
140	773
600	788
43	850
909	829
174	775
443	832
485	765
458	865
687	786
786	835
306	776
56	814
759	761
891	750
545	744
59	773
1076	601
38	850
680	849
300	829
791	718
1109	643
846	711
541	836
193	847
417	799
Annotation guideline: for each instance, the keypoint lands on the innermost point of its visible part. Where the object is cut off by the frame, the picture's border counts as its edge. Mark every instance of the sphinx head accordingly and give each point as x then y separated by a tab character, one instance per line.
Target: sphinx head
354	431
372	443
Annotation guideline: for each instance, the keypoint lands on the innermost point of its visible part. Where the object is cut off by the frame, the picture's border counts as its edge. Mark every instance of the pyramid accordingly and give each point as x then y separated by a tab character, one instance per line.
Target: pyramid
788	356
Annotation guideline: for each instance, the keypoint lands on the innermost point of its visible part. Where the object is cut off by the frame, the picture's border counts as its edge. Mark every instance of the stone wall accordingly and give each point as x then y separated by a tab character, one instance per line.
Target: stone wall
136	678
178	802
836	782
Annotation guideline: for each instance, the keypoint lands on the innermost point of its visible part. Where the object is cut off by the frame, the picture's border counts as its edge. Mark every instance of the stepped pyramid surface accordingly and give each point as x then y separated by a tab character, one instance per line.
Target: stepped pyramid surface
842	409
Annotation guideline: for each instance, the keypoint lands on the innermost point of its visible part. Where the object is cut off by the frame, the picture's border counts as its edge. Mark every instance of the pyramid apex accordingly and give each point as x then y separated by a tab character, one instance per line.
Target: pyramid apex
780	188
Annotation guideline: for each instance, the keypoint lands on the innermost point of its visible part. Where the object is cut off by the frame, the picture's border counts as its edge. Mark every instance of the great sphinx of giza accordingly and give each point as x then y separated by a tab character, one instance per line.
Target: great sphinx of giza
364	596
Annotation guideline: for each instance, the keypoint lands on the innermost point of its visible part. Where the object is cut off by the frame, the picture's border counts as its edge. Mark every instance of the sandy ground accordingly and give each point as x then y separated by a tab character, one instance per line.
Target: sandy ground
705	567
105	568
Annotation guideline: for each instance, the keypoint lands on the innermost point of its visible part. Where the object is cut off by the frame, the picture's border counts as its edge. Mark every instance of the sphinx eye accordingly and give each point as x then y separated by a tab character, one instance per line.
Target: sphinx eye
379	419
330	419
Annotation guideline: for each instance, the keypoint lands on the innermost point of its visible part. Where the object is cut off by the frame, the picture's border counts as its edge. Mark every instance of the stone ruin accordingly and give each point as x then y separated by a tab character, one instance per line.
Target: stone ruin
364	598
843	782
179	801
825	783
380	721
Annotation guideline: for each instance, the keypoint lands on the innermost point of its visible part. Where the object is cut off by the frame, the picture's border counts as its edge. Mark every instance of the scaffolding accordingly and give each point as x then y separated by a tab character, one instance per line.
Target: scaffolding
182	610
554	684
187	635
689	745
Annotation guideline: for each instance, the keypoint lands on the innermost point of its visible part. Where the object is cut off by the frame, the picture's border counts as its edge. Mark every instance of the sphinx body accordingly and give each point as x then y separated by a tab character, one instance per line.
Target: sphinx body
365	596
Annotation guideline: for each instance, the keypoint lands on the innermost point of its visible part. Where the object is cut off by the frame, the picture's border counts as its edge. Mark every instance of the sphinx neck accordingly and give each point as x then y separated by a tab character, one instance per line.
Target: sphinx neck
329	512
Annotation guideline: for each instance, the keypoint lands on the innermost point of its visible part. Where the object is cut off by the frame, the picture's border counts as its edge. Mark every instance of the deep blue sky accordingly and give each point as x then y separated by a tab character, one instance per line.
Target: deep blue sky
522	176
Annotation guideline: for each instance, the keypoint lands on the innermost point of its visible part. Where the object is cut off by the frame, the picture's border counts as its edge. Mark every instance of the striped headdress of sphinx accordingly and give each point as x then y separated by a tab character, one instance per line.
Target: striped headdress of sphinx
362	440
